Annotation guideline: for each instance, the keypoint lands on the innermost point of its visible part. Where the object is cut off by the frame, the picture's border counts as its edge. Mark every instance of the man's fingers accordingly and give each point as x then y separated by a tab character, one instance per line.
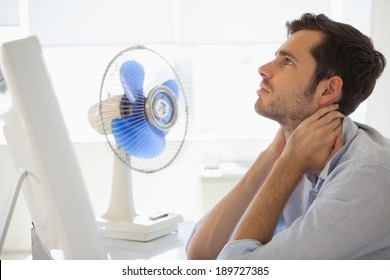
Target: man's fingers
335	123
322	112
326	116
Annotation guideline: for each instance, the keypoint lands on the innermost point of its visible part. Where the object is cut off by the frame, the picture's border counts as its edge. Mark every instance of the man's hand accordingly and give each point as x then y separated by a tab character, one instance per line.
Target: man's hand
308	149
316	140
278	144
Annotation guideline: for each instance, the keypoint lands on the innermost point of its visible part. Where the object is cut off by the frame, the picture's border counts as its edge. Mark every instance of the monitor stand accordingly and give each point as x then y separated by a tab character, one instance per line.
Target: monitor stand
10	203
38	249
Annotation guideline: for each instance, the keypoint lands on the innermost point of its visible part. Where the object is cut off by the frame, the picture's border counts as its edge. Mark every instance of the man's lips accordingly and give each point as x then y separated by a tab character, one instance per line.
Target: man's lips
263	89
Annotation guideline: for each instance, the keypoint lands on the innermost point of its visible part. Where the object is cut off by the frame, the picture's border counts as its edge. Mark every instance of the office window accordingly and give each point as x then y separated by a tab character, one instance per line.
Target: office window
224	83
221	81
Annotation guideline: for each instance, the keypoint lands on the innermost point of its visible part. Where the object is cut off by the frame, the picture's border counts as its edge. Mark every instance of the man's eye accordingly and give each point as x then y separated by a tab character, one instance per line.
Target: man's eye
288	61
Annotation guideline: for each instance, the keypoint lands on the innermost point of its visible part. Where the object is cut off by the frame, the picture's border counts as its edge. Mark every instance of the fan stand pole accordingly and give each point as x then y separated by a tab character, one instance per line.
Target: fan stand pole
121	221
121	206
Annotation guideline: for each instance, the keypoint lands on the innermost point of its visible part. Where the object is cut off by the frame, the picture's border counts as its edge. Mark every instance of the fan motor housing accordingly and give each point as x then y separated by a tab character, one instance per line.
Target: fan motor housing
161	107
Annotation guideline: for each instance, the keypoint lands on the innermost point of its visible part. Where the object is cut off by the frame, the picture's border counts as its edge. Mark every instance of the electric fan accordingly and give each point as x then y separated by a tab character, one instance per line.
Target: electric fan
143	113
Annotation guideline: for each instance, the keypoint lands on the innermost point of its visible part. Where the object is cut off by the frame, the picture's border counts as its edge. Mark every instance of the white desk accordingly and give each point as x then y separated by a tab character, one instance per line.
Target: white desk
169	247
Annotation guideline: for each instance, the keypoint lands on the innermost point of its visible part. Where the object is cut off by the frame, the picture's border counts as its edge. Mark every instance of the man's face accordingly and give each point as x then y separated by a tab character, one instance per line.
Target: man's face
284	93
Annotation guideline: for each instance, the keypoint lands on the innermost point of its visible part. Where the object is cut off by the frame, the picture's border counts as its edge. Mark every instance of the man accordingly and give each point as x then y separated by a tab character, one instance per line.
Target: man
321	190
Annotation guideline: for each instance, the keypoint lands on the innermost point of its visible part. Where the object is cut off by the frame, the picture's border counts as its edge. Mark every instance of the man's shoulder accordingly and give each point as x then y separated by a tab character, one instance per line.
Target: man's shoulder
369	146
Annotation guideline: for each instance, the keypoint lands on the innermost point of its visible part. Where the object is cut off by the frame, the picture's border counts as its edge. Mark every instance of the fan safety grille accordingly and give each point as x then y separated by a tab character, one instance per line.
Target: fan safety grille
143	109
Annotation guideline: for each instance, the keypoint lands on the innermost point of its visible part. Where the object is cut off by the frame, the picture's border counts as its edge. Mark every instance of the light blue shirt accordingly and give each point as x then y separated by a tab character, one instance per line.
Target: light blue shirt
342	214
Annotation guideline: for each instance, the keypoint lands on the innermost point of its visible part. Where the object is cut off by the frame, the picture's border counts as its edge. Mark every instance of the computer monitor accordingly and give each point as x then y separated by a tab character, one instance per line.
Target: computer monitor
39	143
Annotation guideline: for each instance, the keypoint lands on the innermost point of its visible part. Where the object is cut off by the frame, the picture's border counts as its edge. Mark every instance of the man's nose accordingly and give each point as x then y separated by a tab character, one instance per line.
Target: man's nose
265	71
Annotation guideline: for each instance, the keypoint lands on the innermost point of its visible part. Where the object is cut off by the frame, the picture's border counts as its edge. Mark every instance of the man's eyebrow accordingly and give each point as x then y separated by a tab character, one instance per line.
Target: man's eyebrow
285	53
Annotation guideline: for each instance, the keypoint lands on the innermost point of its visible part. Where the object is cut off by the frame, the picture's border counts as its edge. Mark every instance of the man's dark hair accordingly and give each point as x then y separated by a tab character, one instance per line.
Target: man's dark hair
346	52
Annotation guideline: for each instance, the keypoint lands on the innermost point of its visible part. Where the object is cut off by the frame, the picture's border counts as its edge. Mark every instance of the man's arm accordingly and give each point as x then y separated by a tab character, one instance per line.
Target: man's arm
215	229
240	205
308	149
347	220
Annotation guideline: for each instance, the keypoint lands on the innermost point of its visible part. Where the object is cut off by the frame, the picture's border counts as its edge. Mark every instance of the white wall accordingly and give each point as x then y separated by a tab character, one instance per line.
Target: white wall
94	22
378	112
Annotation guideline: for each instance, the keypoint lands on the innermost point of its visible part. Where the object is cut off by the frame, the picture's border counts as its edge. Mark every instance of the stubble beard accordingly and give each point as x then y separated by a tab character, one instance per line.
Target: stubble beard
288	113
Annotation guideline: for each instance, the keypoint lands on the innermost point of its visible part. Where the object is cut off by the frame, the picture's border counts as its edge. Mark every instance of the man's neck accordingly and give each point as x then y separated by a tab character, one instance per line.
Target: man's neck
289	128
287	133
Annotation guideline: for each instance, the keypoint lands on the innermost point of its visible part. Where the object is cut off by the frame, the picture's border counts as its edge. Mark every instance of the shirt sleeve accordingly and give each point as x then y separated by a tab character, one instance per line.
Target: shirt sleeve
239	249
348	219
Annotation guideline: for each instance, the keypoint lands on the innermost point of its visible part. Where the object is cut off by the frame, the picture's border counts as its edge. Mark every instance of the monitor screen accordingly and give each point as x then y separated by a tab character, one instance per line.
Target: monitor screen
39	143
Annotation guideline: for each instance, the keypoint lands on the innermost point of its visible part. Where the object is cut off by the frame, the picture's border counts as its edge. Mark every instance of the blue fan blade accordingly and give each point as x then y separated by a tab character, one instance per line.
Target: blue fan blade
132	77
172	84
136	137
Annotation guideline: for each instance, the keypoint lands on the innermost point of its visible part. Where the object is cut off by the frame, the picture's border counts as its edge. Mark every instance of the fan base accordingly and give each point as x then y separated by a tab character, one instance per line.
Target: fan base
141	228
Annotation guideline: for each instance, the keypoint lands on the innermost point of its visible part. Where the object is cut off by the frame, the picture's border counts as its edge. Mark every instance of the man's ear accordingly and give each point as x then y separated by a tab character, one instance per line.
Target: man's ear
331	90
